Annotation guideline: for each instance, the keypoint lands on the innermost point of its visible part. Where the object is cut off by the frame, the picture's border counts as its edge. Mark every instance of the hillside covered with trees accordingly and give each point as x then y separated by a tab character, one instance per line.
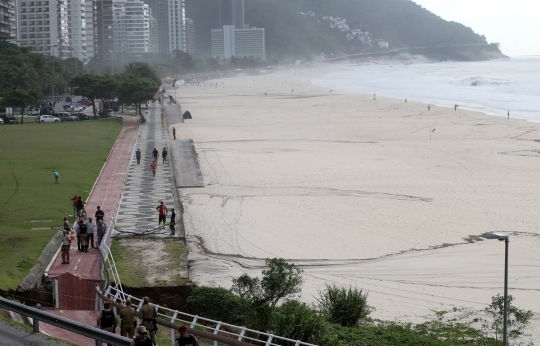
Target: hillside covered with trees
303	28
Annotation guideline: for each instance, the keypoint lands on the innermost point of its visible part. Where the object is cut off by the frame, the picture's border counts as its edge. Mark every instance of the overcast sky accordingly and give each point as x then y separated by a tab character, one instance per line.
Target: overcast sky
515	24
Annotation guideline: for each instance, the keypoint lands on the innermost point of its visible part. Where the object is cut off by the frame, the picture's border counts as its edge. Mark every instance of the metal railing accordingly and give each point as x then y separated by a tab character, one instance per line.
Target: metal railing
37	315
231	331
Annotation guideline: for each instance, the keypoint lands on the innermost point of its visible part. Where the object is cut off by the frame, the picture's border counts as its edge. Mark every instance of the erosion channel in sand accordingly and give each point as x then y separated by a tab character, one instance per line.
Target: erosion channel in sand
354	190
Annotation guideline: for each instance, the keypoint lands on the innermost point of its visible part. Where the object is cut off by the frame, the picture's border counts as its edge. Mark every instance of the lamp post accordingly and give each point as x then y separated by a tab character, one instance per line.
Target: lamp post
54	99
505	238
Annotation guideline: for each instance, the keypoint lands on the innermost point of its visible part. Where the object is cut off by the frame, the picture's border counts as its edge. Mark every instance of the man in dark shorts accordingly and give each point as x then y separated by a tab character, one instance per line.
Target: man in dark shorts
80	205
66	242
162	209
83	231
164	155
155	153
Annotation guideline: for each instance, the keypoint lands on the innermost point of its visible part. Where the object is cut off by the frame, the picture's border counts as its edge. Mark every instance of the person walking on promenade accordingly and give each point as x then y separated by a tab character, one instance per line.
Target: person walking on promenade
127	314
138	155
99	214
83	231
153	168
78	233
164	155
56	176
66	242
174	133
185	338
172	223
101	230
107	319
155	153
162	209
148	315
80	206
90	227
142	339
74	199
67	226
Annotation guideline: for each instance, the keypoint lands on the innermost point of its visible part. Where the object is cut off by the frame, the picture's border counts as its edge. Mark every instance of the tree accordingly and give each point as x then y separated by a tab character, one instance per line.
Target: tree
93	87
518	319
183	62
279	281
136	89
20	98
143	70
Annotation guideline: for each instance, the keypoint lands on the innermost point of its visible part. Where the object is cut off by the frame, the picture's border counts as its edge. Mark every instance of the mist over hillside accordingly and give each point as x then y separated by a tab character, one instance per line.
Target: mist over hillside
300	29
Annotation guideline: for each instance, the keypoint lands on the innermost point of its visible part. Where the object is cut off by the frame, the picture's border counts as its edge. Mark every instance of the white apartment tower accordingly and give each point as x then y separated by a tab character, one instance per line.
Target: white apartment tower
171	20
8	23
190	36
240	43
77	29
132	25
43	25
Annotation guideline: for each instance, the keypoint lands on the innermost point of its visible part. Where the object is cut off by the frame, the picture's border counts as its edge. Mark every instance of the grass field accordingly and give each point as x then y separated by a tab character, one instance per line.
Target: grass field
28	196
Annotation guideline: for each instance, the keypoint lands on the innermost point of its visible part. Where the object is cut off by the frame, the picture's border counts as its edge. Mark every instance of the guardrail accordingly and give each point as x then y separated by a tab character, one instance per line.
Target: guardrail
167	317
37	315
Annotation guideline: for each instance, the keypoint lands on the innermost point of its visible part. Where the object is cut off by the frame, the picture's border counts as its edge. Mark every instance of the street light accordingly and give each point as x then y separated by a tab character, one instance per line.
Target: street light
505	238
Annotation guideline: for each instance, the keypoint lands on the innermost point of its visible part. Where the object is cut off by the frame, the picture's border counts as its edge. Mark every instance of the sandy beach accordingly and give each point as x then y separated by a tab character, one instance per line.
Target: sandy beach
354	190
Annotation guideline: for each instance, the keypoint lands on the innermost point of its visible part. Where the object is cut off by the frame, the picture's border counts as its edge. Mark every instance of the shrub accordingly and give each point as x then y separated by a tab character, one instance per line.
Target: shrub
217	303
297	321
518	319
344	306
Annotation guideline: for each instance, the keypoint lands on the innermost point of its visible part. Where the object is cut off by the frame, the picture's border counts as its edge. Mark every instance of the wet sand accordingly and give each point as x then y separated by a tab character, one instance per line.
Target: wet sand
354	190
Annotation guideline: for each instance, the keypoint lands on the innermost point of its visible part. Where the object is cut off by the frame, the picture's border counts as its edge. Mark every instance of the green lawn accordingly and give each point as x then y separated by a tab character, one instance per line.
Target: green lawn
28	155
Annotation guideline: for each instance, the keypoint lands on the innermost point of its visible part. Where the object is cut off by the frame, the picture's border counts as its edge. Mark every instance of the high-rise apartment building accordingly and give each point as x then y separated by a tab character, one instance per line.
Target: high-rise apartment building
91	34
240	43
190	36
133	23
44	26
8	23
103	31
77	29
171	20
231	12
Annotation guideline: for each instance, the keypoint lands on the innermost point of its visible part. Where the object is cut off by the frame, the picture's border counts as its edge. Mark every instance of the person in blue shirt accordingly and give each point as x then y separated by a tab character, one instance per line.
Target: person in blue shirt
56	176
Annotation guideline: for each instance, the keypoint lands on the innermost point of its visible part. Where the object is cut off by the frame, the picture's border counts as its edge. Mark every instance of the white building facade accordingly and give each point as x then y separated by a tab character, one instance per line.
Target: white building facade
77	29
240	43
171	18
190	36
43	25
8	22
132	26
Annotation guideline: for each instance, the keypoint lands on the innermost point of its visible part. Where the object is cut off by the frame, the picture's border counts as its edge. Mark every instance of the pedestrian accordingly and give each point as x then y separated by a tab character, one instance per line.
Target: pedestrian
164	155
56	176
142	339
172	223
428	107
508	114
74	199
67	226
127	314
78	233
148	315
138	155
185	338
99	214
83	232
174	133
80	206
162	209
156	154
153	168
90	227
66	242
107	319
101	230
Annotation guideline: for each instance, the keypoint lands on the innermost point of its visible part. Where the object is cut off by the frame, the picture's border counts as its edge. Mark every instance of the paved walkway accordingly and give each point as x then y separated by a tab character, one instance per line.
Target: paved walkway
106	194
143	192
18	336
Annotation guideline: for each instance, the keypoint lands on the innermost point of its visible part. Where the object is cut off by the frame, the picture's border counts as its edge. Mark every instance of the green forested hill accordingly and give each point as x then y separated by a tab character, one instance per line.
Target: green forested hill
401	23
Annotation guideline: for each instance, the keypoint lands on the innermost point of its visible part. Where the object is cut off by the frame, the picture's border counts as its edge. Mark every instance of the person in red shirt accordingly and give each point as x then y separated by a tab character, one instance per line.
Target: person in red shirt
162	209
74	199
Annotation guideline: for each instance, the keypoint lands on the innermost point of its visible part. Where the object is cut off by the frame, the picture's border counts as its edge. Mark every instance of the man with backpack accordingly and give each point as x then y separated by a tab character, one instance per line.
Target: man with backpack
107	319
185	338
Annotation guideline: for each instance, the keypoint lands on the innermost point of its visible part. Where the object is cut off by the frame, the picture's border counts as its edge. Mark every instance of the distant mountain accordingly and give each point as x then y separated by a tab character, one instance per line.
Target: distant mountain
300	29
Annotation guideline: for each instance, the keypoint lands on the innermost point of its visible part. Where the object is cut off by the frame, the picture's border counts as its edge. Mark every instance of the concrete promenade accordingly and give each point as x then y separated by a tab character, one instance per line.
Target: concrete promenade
85	266
18	336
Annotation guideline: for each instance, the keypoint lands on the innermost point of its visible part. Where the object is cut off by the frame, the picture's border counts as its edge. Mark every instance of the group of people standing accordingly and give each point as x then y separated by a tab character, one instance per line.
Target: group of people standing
146	331
85	229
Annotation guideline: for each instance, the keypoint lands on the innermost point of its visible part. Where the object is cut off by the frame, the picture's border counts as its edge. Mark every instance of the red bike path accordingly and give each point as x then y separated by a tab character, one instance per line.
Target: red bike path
77	280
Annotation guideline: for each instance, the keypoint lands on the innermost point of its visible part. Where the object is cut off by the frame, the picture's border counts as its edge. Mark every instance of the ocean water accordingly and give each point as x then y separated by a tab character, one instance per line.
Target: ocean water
492	87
